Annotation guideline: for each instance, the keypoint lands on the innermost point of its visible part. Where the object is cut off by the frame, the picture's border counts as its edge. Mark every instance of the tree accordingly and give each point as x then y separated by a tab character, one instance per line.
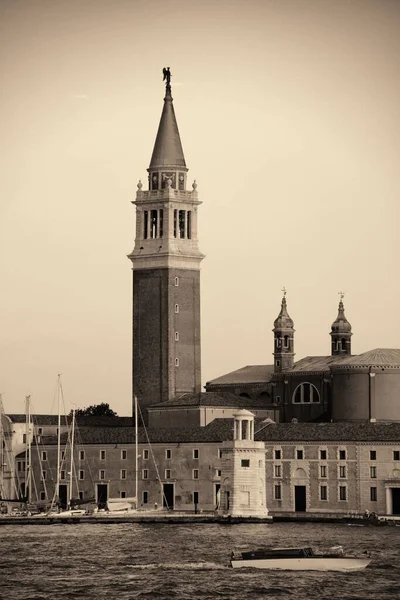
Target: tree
96	410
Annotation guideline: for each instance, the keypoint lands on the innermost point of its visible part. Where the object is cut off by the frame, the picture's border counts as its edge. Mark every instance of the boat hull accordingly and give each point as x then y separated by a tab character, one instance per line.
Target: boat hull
305	564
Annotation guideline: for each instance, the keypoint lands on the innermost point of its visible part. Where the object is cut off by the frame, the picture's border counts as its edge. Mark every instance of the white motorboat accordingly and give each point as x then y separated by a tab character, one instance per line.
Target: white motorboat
299	559
68	513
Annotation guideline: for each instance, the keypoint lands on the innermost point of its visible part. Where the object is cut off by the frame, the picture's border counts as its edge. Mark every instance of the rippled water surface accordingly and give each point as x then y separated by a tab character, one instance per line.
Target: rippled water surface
186	562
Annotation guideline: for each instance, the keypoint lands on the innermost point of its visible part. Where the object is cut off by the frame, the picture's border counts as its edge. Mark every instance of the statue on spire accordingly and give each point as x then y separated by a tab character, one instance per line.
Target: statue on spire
167	77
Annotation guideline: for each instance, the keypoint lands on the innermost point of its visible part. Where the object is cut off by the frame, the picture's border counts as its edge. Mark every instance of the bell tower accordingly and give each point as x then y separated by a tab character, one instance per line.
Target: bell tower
166	272
283	339
341	332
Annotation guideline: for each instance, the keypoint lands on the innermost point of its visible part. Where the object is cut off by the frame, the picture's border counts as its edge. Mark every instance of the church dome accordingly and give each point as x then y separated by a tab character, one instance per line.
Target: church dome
283	321
341	324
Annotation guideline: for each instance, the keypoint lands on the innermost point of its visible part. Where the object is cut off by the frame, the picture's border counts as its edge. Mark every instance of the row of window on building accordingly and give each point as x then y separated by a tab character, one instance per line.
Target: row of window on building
323	471
342	493
299	455
341	454
123	474
103	456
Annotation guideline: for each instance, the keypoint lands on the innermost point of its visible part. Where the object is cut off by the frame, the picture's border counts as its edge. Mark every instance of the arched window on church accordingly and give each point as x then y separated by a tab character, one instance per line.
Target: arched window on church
344	345
286	341
306	393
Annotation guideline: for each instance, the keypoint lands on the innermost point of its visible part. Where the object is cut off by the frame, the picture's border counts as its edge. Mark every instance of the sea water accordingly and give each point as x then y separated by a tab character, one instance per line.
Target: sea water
187	562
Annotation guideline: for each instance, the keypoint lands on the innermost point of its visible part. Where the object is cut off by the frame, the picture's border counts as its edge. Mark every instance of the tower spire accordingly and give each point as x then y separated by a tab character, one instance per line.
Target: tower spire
283	338
341	332
168	151
166	272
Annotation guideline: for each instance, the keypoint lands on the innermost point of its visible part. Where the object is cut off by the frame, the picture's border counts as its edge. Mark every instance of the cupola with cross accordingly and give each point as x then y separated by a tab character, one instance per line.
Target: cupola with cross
283	339
341	332
166	272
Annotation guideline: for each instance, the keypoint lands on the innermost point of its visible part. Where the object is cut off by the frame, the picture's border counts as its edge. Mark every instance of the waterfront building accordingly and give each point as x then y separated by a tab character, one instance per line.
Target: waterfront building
331	469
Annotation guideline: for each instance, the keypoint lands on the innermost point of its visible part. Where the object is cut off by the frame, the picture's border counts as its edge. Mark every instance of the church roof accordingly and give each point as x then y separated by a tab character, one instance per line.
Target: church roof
168	150
215	399
249	374
379	357
315	363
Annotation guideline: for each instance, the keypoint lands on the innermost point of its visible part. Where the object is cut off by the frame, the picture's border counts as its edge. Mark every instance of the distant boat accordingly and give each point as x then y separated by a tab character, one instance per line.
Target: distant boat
299	559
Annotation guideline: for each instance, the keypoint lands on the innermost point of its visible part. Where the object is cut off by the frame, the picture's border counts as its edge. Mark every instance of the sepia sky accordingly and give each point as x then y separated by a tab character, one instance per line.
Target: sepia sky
289	115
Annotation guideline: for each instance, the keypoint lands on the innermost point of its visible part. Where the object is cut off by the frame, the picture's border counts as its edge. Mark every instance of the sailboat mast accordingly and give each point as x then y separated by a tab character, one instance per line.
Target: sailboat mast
2	446
57	494
136	453
72	456
28	447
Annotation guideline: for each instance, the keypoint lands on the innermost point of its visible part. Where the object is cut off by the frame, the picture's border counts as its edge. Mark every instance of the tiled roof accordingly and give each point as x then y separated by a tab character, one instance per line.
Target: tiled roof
221	430
215	399
103	421
380	357
329	432
36	419
316	363
249	374
217	431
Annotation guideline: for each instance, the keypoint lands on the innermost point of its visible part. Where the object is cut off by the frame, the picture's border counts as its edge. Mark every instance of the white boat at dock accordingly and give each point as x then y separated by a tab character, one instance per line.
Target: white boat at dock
299	559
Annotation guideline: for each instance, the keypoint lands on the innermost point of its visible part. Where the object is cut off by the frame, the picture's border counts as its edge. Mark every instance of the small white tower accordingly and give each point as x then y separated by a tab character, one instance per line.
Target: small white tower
243	471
